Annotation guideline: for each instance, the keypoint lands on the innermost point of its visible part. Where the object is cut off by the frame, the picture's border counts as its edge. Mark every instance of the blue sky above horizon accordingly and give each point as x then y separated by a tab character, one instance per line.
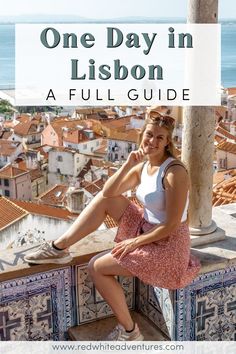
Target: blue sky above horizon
98	9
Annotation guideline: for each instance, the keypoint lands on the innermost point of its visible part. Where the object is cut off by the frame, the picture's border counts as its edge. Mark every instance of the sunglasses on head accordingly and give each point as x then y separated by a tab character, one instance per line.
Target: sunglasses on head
157	117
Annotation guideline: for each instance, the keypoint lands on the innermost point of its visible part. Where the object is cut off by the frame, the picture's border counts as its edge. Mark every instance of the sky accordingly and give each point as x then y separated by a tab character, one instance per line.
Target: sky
99	9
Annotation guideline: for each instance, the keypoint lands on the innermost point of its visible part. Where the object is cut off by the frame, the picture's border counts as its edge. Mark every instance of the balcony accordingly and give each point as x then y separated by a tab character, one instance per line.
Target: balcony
55	302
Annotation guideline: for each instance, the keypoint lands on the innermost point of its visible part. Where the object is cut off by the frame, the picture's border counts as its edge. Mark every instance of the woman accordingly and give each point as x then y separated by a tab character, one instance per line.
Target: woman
153	243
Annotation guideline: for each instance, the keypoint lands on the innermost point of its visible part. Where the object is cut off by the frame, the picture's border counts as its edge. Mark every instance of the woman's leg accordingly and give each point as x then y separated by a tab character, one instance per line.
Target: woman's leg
102	269
92	217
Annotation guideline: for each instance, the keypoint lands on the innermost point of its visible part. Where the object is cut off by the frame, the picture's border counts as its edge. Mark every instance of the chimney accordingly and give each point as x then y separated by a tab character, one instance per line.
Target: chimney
75	200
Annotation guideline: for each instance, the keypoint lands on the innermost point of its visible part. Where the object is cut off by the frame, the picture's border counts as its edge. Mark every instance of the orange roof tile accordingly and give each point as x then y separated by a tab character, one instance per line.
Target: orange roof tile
94	187
110	222
24	118
57	125
26	128
8	147
219	139
11	172
225	192
220	176
130	135
75	136
220	111
54	196
220	129
35	174
227	146
102	150
10	212
231	91
5	134
45	210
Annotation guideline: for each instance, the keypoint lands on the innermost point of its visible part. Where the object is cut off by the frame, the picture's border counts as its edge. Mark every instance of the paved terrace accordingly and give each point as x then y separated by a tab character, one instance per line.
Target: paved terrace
42	302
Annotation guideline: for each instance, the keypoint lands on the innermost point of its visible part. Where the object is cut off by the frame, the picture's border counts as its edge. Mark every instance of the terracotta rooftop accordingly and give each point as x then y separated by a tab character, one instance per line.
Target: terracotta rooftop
45	210
227	146
57	125
44	149
225	192
85	169
103	148
35	174
27	128
10	212
220	111
54	196
11	172
93	187
231	91
219	139
5	134
77	136
221	130
117	123
24	117
89	110
10	124
8	147
130	135
223	175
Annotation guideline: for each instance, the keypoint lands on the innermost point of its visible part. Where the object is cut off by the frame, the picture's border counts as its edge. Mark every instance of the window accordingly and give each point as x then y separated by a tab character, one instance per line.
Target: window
77	159
85	146
116	156
0	182
129	147
6	182
7	193
59	158
223	163
97	143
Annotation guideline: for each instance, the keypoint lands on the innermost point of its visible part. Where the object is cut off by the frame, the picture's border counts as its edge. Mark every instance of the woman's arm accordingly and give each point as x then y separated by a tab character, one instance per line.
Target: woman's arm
176	185
127	177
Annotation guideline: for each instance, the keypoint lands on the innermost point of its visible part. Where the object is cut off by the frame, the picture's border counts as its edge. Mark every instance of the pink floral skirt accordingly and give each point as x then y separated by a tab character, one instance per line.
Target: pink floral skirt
167	263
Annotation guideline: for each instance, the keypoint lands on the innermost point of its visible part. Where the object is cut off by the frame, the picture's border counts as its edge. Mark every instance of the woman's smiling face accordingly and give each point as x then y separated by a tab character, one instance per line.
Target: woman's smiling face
155	139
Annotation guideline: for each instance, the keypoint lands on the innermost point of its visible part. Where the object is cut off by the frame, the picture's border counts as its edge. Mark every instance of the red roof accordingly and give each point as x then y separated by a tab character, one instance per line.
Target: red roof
8	147
45	210
11	172
225	132
225	192
26	128
54	196
227	146
10	212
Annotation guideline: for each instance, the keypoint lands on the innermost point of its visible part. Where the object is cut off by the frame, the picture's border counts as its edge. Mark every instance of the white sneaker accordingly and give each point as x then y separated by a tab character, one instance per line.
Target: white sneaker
119	334
48	254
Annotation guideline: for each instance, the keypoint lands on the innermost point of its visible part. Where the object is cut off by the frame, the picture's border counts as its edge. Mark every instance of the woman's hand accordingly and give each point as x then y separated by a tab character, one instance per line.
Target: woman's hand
124	247
135	157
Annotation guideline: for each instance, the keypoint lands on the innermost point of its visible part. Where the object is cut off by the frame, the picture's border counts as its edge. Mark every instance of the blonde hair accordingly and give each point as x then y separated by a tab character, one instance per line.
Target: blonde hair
153	116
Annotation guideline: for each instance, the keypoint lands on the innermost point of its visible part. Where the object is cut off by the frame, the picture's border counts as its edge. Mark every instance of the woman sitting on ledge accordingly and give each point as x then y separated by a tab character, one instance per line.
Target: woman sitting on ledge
153	242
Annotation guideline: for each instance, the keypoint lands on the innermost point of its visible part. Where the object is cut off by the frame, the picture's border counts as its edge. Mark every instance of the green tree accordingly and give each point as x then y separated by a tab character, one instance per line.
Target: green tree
6	107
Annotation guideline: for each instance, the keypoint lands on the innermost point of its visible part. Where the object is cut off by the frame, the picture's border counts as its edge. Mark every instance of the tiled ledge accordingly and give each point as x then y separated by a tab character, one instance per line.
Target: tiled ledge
12	263
215	256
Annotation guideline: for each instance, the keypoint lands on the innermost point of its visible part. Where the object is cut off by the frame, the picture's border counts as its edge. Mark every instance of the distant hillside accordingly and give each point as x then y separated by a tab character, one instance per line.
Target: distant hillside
74	18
